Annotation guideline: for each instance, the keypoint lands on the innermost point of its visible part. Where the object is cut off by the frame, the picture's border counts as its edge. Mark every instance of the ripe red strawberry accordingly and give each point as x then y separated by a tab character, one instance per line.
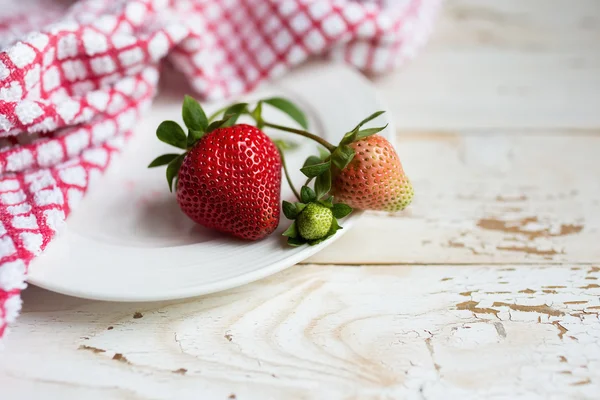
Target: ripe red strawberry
230	180
374	179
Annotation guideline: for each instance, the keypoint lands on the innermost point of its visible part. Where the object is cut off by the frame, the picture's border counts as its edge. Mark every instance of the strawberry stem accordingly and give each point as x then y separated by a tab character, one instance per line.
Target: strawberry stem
300	132
287	175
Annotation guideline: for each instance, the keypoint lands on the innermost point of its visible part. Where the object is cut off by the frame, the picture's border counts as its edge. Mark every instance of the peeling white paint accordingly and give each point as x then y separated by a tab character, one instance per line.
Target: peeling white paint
468	331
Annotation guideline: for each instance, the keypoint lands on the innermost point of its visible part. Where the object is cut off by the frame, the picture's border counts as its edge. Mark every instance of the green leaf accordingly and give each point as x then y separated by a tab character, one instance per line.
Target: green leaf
237	108
316	169
323	184
162	160
307	195
369	118
295	242
334	228
289	210
193	137
299	206
348	138
323	153
232	114
289	108
291	231
342	156
311	160
230	117
215	125
328	202
340	210
193	114
368	132
171	133
257	115
173	170
230	121
284	145
352	135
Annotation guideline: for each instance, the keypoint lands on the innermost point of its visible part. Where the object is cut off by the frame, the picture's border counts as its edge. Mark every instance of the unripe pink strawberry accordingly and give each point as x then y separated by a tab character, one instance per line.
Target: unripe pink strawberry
374	179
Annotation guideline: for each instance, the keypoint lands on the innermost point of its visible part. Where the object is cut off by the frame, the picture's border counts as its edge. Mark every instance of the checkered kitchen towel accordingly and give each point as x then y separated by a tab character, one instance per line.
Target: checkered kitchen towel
74	78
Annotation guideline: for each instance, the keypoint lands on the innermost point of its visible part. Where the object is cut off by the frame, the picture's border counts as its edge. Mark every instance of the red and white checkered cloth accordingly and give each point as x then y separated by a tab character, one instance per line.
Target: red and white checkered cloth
71	91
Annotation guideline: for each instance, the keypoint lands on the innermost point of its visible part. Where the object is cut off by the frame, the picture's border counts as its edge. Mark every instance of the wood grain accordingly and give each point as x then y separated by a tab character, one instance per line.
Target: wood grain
499	130
317	332
487	198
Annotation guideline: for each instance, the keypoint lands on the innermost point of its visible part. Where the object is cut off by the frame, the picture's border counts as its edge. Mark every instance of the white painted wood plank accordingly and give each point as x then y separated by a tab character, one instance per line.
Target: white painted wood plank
493	195
487	198
511	63
317	332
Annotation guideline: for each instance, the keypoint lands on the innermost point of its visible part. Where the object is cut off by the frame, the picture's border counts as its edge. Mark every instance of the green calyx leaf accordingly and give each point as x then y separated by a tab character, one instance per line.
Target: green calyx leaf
368	132
295	242
328	202
311	160
285	145
193	137
369	118
341	210
171	133
291	231
257	115
335	226
289	210
307	195
173	170
162	160
216	125
323	153
231	115
323	184
311	171
353	135
193	115
236	109
300	206
289	108
342	156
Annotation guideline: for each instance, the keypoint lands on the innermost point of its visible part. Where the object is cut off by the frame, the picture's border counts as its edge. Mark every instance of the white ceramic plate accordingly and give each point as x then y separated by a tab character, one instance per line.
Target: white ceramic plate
128	240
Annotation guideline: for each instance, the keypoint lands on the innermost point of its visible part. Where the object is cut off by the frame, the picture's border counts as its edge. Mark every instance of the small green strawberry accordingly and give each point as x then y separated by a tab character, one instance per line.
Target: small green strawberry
314	220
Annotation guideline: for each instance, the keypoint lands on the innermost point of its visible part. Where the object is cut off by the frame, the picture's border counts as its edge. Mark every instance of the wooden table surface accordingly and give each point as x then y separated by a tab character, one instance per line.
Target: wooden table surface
487	287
